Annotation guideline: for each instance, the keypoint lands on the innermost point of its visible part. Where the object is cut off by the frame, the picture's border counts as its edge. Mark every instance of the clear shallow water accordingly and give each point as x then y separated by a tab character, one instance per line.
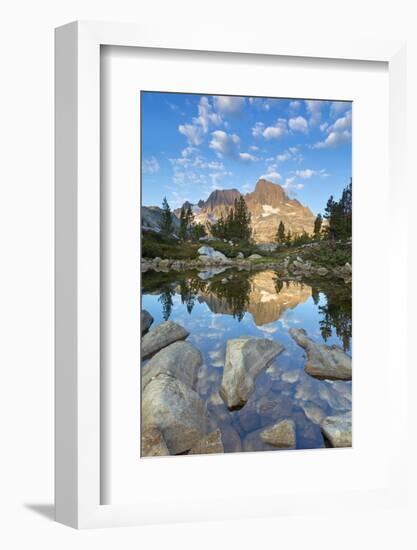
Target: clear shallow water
231	304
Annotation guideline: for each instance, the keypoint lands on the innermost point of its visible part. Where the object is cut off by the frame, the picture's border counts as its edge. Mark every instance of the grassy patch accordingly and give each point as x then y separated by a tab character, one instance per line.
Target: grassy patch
154	245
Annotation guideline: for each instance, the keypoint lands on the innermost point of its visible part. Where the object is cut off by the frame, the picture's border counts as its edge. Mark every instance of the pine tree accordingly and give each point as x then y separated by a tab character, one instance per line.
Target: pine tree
183	224
288	238
280	237
317	227
189	216
166	219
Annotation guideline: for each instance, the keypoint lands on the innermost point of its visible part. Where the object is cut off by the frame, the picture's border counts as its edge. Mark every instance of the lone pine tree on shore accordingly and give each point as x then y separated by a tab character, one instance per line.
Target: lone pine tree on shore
166	223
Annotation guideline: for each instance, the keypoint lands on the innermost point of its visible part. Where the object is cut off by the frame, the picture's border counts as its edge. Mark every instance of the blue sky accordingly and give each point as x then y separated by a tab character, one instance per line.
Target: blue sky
193	144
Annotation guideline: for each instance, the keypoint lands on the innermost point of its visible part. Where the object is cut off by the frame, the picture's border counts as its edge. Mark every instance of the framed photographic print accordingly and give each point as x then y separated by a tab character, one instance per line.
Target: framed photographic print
218	310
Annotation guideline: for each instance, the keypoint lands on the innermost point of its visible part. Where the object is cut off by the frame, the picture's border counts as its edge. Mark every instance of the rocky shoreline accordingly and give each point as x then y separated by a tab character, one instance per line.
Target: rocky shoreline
287	267
176	420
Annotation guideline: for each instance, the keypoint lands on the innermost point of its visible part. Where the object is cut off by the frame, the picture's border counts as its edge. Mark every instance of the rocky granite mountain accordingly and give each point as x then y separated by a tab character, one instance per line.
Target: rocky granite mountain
268	205
151	219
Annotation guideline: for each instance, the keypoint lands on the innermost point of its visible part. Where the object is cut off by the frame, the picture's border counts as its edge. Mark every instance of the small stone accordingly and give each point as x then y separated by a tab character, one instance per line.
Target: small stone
146	321
281	435
209	444
153	443
161	336
338	429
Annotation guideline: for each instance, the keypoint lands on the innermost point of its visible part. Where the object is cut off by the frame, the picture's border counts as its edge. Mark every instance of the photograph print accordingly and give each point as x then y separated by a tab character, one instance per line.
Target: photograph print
246	274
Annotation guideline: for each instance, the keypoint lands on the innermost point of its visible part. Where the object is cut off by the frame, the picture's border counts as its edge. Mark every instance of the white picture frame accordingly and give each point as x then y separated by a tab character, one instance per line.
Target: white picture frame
78	410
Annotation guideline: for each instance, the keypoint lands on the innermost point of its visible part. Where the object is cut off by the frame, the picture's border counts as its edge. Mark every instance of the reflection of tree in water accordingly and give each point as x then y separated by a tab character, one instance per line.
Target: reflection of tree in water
165	297
189	290
336	313
235	293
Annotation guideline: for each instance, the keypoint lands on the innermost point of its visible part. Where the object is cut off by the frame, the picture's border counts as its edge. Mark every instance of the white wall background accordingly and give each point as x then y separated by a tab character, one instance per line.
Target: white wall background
26	273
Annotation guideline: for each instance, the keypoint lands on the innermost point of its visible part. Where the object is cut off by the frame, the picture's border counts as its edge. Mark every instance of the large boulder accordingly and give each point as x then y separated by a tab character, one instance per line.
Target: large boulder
255	257
245	359
153	443
180	360
338	429
208	255
176	410
146	321
323	362
161	336
209	444
280	435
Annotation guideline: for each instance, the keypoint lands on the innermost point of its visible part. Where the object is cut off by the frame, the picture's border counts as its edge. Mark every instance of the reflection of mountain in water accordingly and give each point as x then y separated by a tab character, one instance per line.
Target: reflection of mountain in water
263	299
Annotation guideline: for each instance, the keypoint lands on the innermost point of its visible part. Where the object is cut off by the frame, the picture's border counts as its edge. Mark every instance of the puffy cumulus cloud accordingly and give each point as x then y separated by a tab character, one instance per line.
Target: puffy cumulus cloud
263	104
270	132
295	105
305	174
195	130
291	185
271	174
337	133
298	124
228	104
150	166
314	108
206	115
224	144
193	133
292	153
338	107
247	157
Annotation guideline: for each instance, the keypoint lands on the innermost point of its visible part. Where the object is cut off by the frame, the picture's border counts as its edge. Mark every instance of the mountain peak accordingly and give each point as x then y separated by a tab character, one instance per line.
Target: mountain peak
267	192
223	197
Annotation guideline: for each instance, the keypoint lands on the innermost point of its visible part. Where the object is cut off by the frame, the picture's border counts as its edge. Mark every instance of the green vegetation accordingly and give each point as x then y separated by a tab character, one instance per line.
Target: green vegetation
236	225
339	216
318	222
157	245
166	220
280	238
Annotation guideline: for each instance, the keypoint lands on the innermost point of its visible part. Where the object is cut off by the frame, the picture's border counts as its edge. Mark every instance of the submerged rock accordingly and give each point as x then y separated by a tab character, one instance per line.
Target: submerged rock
176	410
146	321
161	336
153	443
180	360
324	362
245	359
209	444
338	430
281	435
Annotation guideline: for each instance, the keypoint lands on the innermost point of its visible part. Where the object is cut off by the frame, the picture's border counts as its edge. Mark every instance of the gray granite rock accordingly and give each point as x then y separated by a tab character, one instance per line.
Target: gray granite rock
338	429
245	359
181	360
146	321
280	435
161	336
324	362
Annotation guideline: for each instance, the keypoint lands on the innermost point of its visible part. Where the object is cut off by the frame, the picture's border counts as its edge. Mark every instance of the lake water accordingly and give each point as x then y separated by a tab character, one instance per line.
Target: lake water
216	307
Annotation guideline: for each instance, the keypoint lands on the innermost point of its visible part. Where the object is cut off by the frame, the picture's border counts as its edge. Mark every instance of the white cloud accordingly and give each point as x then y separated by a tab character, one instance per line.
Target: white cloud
338	107
324	126
225	144
247	157
305	174
228	104
253	147
298	124
271	175
337	133
270	132
150	166
295	105
291	185
193	133
206	115
314	108
292	153
262	104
